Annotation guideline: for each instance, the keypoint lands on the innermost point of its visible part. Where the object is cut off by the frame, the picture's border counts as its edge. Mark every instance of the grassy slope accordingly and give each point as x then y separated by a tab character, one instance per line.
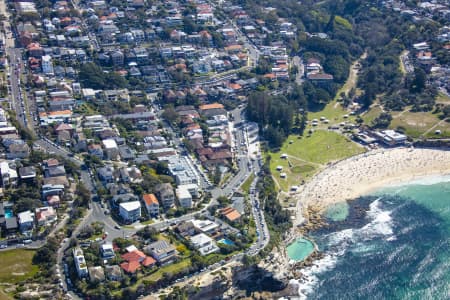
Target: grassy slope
308	154
16	265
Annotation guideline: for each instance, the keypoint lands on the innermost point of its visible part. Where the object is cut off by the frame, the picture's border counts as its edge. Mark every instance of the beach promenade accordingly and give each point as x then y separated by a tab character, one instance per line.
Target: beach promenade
361	174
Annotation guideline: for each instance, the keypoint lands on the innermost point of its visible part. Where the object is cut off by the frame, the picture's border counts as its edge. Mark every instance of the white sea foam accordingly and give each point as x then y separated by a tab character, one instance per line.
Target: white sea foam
338	243
422	180
381	223
309	279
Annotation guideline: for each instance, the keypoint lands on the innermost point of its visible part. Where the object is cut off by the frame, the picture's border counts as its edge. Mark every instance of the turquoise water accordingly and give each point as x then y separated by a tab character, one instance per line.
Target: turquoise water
337	212
400	249
300	249
8	213
226	242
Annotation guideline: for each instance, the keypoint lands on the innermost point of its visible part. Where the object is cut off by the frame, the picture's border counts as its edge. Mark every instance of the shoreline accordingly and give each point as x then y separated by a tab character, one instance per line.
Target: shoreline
349	179
364	173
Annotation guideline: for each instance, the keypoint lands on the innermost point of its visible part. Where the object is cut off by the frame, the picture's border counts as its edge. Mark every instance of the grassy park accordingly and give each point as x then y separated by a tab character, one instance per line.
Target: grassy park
414	124
308	154
17	265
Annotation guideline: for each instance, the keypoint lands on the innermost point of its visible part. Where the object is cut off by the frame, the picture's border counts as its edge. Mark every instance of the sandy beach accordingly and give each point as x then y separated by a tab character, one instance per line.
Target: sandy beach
358	175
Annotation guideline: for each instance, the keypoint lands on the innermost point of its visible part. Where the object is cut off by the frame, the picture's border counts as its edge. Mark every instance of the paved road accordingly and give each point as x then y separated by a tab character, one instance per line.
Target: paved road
297	61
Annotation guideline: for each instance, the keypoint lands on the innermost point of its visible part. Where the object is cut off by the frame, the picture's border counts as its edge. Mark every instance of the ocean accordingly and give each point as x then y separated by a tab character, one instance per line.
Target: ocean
392	244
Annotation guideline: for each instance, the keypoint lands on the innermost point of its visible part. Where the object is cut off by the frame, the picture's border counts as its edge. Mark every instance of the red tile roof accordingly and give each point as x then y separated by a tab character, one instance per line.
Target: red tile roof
130	267
136	256
211	106
150	199
148	261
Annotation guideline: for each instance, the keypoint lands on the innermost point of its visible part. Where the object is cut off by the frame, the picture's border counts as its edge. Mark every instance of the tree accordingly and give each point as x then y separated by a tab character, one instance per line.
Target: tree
92	76
170	115
84	195
217	175
382	121
420	78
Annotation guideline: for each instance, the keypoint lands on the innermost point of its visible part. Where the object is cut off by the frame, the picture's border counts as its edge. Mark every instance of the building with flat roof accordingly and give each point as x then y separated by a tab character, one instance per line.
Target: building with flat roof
111	148
206	226
130	211
391	137
80	262
204	244
26	220
181	169
184	197
162	251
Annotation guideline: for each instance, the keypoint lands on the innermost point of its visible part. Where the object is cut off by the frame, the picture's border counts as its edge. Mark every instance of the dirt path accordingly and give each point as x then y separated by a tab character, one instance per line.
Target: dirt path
434	126
352	76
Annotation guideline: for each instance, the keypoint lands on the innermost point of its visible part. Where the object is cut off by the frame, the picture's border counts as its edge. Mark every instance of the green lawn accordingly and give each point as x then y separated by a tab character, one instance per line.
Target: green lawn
306	155
172	268
371	114
334	112
416	124
246	185
444	127
442	98
321	147
16	265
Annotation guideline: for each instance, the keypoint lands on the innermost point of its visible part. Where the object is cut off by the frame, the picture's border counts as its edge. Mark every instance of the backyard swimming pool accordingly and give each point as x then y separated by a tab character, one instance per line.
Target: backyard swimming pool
8	213
226	242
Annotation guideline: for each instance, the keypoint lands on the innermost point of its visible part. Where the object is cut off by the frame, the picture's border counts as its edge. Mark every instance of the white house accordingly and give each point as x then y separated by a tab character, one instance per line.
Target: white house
47	65
107	251
192	188
111	148
130	211
26	220
184	197
8	174
204	244
80	262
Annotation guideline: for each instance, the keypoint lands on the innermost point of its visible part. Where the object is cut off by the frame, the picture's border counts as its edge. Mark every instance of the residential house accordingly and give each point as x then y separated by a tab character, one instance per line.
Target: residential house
45	215
134	255
184	197
206	226
96	274
18	151
130	211
107	251
186	229
204	244
126	153
80	262
162	251
111	149
151	204
53	200
11	225
165	194
230	214
27	173
130	267
26	220
47	65
95	150
113	273
8	174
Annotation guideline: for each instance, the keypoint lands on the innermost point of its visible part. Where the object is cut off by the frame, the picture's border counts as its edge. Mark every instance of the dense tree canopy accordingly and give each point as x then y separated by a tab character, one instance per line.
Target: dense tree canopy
92	76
